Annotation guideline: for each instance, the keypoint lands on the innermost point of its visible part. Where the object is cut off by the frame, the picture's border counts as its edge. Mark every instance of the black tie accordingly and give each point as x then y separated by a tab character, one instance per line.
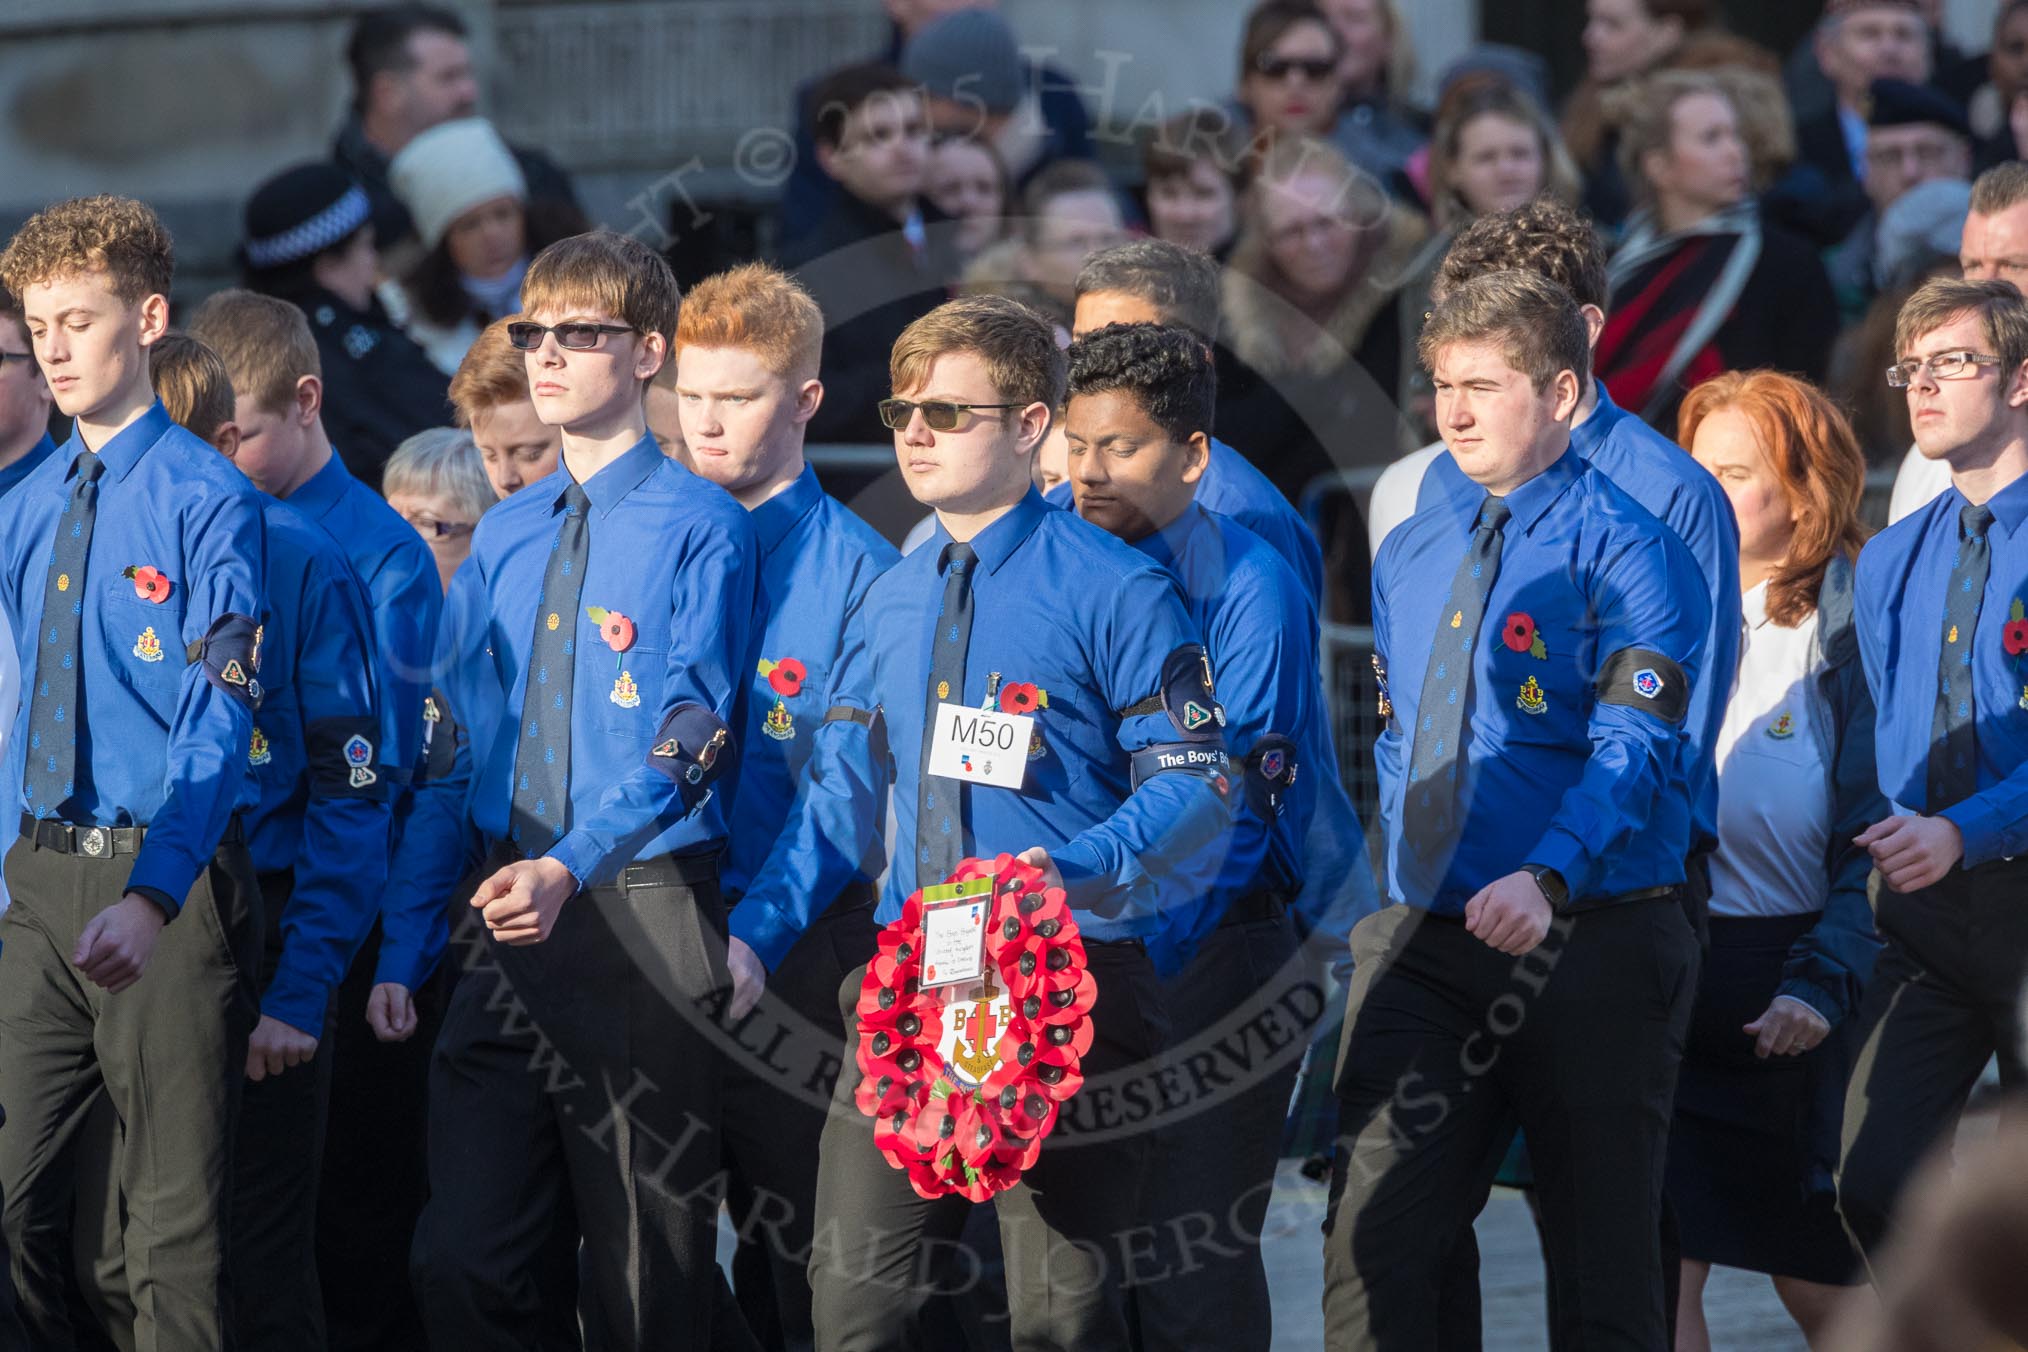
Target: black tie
940	803
539	813
56	713
1953	732
1430	810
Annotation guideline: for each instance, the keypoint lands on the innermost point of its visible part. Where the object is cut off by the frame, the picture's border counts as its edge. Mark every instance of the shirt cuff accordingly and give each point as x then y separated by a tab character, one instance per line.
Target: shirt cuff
764	929
1977	829
577	853
170	910
1810	998
1560	850
404	967
1085	880
298	1000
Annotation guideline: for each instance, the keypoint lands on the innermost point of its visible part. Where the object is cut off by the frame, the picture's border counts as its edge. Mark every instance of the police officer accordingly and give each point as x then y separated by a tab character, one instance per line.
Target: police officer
1541	969
1939	600
1138	435
1037	609
747	349
309	241
132	565
619	597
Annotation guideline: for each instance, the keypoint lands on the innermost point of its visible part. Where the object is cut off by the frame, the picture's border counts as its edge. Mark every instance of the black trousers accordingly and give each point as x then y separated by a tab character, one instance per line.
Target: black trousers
773	1101
573	1087
882	1252
170	1052
1945	996
1448	1045
1242	1015
13	1337
375	1178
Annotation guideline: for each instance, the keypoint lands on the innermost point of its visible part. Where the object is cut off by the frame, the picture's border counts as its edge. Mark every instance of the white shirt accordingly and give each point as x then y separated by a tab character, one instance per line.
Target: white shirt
1774	786
1916	484
10	701
1395	492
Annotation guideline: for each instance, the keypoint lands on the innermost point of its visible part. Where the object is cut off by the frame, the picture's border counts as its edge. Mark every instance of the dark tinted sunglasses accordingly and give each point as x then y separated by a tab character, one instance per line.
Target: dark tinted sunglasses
940	414
1279	68
577	337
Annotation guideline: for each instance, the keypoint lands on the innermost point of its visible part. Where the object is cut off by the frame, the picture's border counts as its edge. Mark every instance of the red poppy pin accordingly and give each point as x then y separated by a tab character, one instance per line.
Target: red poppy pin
151	584
1023	697
785	677
616	629
1519	634
2015	635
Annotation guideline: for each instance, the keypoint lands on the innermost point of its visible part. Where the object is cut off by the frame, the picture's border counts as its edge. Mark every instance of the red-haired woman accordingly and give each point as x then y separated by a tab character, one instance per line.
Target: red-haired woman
1757	1105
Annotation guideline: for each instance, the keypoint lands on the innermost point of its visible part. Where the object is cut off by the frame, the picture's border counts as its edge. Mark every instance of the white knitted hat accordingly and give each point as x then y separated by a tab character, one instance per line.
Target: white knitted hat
451	168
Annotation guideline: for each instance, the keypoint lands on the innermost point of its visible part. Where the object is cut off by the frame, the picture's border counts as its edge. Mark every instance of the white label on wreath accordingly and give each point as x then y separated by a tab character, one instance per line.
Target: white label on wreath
954	919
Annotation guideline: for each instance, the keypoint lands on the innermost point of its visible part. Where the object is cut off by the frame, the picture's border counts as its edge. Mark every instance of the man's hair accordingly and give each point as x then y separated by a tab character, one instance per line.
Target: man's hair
2003	317
440	460
2002	186
604	272
379	41
492	373
760	308
1535	321
1165	368
1060	179
1180	283
1016	344
1202	133
10	310
265	343
1544	237
191	381
118	236
843	92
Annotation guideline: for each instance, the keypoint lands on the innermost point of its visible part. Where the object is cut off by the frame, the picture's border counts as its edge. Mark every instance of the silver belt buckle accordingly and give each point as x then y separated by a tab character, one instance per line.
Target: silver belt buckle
94	842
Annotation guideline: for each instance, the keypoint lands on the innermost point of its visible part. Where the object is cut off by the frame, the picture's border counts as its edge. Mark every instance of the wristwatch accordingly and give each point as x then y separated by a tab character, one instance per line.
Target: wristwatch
1555	891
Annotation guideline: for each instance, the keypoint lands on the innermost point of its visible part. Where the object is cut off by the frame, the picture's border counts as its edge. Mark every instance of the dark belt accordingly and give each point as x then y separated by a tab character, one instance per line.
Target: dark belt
102	842
1671	890
1261	904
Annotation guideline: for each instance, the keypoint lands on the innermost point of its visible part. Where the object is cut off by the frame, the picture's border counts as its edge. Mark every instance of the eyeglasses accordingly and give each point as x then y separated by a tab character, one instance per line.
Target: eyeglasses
441	530
6	356
940	414
526	337
1944	366
1281	67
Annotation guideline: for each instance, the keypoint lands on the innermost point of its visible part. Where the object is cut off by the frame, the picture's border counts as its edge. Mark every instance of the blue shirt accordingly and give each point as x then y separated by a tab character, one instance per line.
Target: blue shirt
1903	573
817	560
163	747
439	845
10	475
1231	486
401	577
1659	475
315	815
1553	774
675	554
1261	632
1056	603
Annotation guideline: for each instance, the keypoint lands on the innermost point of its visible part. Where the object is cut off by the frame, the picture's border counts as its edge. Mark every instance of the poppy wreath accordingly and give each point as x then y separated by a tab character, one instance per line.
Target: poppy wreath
953	1140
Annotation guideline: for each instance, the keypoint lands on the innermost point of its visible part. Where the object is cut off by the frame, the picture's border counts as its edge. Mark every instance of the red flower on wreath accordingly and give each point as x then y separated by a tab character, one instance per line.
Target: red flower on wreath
785	677
1520	636
1022	697
2015	637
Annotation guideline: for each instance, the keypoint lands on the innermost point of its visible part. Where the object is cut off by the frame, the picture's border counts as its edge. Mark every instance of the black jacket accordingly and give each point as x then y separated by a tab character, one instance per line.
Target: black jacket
379	387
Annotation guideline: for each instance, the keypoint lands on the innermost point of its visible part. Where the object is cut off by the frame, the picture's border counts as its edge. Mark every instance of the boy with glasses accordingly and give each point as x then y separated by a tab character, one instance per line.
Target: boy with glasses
618	598
1939	597
1011	603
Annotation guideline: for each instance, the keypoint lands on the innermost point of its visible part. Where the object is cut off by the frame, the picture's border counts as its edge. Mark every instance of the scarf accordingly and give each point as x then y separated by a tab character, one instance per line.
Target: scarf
1671	293
498	296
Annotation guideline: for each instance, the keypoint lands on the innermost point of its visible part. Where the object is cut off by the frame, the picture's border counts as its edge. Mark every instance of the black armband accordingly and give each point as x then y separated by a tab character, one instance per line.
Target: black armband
340	752
1204	758
692	747
1186	696
1267	772
873	720
231	654
439	740
1641	678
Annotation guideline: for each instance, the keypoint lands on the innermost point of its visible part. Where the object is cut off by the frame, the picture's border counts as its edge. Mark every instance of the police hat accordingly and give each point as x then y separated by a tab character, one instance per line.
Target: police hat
301	212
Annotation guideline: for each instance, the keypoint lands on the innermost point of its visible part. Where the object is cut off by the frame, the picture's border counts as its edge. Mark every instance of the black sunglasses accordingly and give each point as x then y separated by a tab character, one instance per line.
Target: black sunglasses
6	356
940	414
1279	67
526	336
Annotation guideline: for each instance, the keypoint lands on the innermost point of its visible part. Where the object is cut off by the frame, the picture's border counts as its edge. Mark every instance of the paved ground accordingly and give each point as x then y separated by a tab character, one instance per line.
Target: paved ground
1742	1309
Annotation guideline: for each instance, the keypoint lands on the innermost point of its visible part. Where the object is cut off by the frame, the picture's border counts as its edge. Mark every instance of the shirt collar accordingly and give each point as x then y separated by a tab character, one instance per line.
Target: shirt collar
1753	605
1586	437
124	451
610	486
996	544
775	518
2010	505
1170	543
1532	500
323	490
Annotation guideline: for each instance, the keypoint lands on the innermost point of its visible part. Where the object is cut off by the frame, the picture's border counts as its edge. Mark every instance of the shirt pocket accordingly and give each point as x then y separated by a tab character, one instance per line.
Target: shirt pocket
144	639
624	680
